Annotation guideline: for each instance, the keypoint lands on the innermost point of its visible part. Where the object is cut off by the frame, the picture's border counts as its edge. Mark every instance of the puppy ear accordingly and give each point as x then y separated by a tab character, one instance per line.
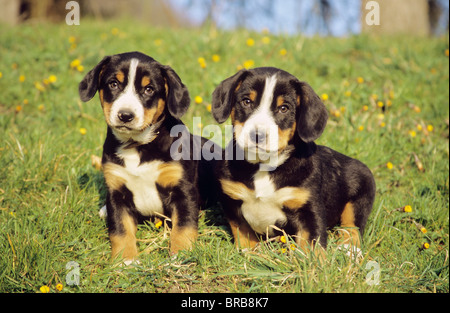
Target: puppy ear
89	85
177	94
312	115
223	96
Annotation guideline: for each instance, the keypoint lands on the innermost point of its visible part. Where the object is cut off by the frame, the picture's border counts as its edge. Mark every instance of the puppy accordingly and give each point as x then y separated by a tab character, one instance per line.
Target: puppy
142	101
275	175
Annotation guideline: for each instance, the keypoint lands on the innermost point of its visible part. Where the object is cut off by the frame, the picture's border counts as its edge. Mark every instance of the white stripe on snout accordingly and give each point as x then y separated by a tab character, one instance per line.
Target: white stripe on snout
262	120
129	100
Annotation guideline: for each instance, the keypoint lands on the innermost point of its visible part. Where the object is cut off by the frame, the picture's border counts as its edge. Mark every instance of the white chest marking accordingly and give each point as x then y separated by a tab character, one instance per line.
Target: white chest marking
140	179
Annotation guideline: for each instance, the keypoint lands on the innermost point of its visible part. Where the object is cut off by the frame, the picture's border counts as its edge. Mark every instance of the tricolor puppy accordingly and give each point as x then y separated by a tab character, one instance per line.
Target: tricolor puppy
278	176
142	100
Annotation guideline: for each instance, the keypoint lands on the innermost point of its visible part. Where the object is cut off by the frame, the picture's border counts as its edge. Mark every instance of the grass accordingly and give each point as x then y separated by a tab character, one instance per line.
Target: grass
388	103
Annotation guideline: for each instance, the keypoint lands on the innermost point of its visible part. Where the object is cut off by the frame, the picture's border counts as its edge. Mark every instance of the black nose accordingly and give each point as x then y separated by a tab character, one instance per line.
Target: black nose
257	136
125	116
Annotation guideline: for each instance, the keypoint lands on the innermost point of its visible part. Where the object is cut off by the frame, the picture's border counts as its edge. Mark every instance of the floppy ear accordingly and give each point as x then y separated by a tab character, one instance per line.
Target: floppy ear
312	115
89	85
223	96
177	96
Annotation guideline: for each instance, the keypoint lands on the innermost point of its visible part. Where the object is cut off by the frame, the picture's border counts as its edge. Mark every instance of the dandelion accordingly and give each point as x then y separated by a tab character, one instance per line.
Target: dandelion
423	230
360	80
389	165
41	107
72	39
419	127
283	250
75	63
360	128
83	131
198	99
18	108
382	124
430	128
115	31
348	93
209	107
292	247
380	104
13	214
324	97
336	113
59	286
80	68
158	224
374	96
52	79
407	209
283	239
21	78
1	74
202	62
417	109
412	133
44	289
426	245
365	108
39	86
250	42
265	40
249	63
25	101
283	52
389	102
215	58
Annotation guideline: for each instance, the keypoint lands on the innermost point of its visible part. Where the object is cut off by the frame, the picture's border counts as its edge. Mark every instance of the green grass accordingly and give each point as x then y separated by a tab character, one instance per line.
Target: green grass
50	194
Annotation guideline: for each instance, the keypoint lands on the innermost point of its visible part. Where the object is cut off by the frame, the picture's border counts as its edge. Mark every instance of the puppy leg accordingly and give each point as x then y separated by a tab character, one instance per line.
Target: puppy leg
123	238
183	235
350	232
244	236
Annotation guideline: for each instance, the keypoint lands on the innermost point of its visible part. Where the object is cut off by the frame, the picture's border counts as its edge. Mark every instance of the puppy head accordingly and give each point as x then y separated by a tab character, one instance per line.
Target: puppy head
268	107
135	92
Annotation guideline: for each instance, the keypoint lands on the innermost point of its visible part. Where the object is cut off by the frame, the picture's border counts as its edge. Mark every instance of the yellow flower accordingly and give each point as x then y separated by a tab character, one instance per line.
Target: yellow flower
360	128
1	74
249	63
374	96
202	62
250	42
389	102
21	78
83	131
44	289
115	31
417	109
283	250
348	93
72	39
324	97
292	246
446	52
158	224
18	108
430	128
382	124
80	68
423	230
426	245
209	107
215	58
266	40
412	133
198	99
380	104
41	107
407	209
389	165
419	127
59	286
39	86
360	80
75	63
283	239
157	42
52	79
365	108
283	52
25	101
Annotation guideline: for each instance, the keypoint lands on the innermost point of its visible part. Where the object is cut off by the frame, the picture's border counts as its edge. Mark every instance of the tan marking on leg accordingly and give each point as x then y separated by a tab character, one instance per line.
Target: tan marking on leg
181	238
350	233
243	234
235	190
170	174
124	244
113	181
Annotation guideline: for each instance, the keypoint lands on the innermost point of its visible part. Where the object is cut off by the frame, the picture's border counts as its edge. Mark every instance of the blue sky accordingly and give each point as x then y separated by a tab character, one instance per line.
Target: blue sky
288	16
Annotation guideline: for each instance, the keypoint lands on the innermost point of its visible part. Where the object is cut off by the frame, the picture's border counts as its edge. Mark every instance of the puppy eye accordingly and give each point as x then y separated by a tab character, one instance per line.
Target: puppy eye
283	109
148	90
246	102
113	85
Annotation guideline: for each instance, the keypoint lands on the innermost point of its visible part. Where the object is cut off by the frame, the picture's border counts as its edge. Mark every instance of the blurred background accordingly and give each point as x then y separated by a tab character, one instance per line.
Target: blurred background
309	17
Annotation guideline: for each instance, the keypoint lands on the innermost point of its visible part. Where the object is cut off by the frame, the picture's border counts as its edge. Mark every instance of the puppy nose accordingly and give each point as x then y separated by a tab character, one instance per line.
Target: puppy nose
257	136
125	116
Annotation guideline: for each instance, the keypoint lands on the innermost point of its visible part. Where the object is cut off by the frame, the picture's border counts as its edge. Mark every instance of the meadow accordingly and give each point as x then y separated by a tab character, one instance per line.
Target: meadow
388	100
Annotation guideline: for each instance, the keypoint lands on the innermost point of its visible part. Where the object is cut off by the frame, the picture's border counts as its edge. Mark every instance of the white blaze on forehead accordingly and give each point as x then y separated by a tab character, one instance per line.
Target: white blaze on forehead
129	100
262	121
